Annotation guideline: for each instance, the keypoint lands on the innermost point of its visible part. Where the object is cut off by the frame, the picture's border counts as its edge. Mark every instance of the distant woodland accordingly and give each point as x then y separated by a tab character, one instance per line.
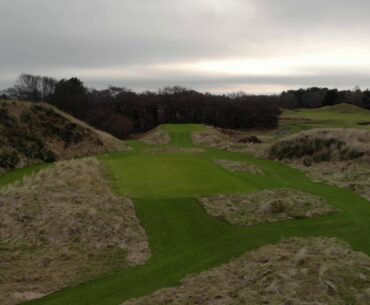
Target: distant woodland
121	112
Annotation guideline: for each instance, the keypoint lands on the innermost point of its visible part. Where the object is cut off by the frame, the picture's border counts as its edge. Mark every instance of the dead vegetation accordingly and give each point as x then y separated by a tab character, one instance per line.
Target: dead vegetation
64	226
265	206
312	271
232	140
340	157
235	166
156	136
31	133
320	145
353	174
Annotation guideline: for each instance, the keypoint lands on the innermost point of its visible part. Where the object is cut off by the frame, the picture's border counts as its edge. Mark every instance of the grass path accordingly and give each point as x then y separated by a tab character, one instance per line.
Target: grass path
183	238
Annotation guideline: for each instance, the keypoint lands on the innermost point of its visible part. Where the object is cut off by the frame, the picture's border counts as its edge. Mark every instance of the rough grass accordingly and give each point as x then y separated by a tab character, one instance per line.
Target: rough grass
353	174
339	157
320	145
296	272
229	141
265	206
32	133
156	136
236	166
63	226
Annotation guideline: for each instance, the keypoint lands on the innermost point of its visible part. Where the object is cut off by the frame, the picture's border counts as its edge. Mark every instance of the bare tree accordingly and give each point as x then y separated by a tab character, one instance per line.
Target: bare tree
32	88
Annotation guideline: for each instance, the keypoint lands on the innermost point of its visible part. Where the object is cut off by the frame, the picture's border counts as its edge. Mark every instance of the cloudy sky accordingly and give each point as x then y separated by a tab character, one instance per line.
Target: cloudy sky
258	46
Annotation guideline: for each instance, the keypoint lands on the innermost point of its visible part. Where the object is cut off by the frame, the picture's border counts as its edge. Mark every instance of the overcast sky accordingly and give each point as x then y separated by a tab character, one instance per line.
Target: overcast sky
258	46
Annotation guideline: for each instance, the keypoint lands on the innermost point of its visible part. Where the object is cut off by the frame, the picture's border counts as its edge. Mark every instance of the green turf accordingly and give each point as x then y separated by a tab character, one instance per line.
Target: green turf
183	238
339	116
18	174
181	134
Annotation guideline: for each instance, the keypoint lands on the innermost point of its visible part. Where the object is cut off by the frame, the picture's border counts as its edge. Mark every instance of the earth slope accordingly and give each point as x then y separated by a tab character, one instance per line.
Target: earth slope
32	133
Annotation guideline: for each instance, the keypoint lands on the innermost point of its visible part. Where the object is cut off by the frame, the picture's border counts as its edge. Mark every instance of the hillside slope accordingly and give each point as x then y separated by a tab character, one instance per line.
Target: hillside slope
319	145
336	156
32	133
343	108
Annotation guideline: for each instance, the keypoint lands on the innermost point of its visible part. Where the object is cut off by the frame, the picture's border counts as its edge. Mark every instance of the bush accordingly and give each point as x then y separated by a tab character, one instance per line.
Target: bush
9	160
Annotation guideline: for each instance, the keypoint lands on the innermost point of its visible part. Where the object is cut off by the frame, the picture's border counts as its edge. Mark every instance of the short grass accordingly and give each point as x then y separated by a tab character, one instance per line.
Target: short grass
342	116
183	238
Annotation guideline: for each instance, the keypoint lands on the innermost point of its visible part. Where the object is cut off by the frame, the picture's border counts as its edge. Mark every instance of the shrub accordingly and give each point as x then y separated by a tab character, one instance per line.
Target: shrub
9	160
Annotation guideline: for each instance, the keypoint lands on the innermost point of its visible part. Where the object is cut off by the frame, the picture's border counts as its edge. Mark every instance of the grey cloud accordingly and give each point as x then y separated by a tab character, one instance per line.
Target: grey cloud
43	36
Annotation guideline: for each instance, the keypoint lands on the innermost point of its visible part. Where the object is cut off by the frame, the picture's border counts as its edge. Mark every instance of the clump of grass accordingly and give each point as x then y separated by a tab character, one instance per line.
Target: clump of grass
296	271
320	145
232	141
156	136
265	206
235	166
63	226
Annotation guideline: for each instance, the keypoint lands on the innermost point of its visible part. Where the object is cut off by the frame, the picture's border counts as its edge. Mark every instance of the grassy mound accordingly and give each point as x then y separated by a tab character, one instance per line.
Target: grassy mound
339	157
343	108
232	141
296	271
31	133
337	116
235	166
265	206
64	226
320	145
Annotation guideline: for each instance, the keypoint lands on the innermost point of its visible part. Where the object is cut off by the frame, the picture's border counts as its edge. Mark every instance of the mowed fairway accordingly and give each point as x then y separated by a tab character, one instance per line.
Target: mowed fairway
183	238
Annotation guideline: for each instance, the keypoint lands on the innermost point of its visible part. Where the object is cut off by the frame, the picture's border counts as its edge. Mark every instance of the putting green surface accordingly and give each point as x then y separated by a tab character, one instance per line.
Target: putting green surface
183	238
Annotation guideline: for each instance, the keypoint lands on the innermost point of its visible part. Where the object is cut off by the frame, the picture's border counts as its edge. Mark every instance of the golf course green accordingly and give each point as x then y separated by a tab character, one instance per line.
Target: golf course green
164	187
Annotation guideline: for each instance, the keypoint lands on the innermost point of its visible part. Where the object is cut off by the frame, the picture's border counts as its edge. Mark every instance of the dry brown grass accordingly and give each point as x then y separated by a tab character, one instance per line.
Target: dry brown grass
320	145
310	271
340	157
31	133
156	136
229	141
235	166
64	226
265	206
352	174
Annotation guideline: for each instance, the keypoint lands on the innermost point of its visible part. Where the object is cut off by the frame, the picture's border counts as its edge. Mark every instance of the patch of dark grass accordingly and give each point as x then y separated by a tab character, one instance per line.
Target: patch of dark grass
9	160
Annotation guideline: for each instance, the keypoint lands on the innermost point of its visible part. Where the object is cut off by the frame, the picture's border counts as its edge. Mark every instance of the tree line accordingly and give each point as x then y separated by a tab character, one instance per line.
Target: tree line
121	111
318	97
